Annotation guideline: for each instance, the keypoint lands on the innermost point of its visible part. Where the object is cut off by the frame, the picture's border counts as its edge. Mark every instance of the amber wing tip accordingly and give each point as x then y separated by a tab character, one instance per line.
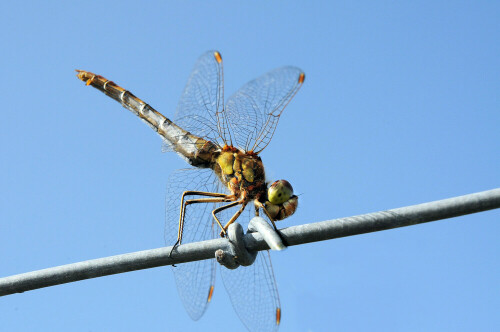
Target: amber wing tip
278	316
302	77
218	57
210	293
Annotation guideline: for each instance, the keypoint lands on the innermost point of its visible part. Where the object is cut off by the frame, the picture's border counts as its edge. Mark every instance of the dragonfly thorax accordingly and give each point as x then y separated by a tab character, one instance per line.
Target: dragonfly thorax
241	172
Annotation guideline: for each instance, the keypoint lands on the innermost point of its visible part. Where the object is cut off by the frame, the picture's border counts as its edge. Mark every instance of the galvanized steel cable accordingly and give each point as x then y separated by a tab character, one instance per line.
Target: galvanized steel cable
295	235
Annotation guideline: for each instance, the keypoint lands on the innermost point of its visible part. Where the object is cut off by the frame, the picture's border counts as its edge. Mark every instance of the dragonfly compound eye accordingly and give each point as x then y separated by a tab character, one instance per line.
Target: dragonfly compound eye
281	202
282	211
279	192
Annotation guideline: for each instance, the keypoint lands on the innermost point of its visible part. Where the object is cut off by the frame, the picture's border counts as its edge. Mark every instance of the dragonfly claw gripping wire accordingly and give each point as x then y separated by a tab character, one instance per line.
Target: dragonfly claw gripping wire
236	253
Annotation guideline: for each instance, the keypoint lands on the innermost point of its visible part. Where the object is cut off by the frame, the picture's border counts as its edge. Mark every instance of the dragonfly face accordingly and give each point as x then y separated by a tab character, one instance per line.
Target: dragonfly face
223	141
281	202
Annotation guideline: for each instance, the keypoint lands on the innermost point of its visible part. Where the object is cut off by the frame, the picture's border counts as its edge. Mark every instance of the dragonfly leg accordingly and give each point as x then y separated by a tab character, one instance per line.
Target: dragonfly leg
181	221
223	197
260	205
171	250
217	198
214	212
256	210
233	218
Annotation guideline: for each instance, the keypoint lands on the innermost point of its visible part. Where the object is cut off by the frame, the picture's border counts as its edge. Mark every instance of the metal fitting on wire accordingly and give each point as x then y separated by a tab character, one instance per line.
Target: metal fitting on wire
269	234
236	253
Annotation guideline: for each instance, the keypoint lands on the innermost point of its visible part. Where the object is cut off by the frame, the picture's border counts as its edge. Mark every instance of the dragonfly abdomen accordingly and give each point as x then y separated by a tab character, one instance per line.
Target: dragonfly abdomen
195	150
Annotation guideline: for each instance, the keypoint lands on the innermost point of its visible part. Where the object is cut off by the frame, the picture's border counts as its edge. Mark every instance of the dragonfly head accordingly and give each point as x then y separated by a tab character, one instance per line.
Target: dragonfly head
281	202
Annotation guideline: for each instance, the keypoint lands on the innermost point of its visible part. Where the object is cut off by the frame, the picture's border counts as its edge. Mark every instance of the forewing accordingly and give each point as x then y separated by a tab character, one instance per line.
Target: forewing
203	99
253	291
194	280
253	111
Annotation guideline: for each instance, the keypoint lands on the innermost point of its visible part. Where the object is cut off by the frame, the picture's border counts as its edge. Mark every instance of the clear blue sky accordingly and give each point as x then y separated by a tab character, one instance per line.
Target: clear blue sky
400	106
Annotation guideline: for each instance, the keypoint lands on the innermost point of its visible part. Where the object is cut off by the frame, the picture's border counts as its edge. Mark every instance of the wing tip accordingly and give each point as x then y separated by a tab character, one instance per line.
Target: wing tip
302	77
278	316
210	293
217	57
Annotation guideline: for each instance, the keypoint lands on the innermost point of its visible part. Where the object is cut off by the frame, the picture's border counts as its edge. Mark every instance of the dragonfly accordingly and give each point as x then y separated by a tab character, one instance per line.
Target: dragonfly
222	143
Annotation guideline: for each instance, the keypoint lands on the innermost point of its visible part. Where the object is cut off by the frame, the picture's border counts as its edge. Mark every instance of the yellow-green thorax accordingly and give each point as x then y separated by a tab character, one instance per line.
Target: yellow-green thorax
241	172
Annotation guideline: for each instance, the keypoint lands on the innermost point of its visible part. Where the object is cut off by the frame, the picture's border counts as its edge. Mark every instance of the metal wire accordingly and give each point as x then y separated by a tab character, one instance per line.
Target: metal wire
320	231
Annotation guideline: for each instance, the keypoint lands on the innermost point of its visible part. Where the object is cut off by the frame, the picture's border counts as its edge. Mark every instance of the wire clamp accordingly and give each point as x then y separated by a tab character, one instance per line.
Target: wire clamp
236	253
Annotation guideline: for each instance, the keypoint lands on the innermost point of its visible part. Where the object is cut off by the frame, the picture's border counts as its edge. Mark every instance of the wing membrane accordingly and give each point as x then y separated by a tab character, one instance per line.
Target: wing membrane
194	280
254	294
248	121
202	102
253	111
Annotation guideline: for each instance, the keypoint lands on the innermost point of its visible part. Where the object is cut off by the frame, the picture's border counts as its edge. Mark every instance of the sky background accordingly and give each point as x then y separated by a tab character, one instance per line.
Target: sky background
400	106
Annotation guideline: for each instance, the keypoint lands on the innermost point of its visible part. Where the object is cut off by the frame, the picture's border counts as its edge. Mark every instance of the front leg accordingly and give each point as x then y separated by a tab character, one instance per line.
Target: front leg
259	205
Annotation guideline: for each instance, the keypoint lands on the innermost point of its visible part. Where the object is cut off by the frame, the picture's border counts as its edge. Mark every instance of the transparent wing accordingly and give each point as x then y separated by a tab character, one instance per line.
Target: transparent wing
253	111
196	279
202	102
253	293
